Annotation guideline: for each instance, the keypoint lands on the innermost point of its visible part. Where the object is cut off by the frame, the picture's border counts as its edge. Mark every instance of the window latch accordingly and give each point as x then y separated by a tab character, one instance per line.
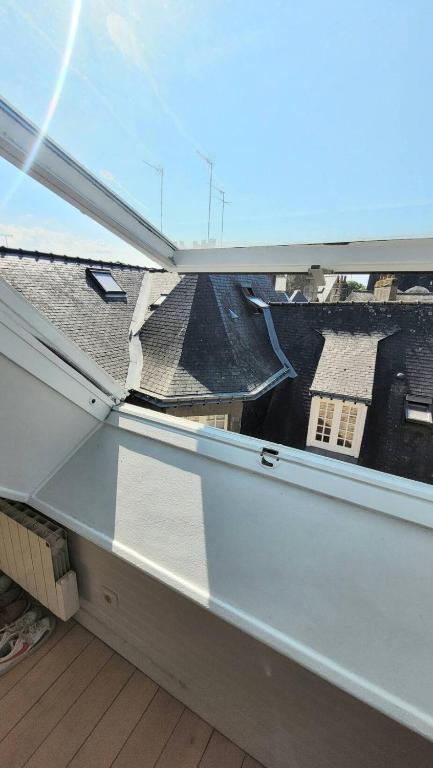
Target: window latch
269	457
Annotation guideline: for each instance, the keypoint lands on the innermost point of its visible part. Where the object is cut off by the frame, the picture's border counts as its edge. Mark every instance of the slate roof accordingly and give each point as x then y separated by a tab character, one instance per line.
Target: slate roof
60	289
418	290
412	295
206	343
407	331
404	366
347	365
298	296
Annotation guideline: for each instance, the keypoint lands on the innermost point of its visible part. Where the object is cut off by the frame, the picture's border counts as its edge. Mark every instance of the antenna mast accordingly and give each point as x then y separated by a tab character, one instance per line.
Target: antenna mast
210	163
224	202
160	170
6	235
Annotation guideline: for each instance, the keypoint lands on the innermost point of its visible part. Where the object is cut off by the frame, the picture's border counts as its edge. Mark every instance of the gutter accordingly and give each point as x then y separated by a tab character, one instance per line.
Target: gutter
273	338
263	307
214	397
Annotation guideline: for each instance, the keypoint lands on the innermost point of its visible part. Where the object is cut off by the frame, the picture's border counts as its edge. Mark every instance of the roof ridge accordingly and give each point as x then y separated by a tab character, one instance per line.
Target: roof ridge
44	256
223	315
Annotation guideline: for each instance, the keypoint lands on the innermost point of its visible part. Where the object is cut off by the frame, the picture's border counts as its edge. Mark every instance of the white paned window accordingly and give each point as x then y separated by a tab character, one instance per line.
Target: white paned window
336	425
220	421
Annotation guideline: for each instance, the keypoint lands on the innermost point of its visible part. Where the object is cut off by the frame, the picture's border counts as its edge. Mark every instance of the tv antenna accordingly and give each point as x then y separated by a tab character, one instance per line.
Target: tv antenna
6	235
210	163
160	170
224	202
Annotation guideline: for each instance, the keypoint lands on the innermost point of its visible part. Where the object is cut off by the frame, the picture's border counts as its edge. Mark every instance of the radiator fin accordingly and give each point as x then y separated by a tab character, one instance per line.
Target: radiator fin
34	553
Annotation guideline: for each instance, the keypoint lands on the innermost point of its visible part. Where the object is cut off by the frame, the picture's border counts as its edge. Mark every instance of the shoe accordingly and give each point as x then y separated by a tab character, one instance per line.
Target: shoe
8	597
12	612
21	644
5	583
32	612
13	593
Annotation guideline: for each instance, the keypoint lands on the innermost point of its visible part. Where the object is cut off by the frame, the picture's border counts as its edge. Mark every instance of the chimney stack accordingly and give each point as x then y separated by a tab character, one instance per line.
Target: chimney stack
385	289
340	291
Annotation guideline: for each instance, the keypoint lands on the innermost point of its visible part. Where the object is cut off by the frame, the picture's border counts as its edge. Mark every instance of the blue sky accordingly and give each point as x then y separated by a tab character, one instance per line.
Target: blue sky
318	116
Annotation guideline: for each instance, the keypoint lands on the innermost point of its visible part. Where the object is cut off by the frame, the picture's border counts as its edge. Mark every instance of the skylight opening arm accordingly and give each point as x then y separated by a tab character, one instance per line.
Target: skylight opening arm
60	173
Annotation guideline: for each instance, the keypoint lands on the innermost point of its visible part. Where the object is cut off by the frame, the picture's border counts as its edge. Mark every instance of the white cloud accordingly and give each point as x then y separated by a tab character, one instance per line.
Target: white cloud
47	240
124	38
107	175
135	52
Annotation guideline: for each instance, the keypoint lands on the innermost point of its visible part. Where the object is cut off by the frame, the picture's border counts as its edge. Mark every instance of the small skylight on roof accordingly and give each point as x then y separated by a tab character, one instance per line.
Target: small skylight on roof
160	300
251	297
418	409
106	283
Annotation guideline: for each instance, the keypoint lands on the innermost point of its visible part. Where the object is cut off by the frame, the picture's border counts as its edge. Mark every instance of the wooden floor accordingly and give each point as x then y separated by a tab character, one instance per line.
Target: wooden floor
77	703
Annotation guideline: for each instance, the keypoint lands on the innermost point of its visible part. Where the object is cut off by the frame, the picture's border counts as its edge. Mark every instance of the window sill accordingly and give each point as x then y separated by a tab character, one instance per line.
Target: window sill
332	454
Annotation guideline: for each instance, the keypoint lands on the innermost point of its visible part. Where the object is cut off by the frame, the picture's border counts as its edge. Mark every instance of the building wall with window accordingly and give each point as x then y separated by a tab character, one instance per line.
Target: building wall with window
336	425
403	367
218	415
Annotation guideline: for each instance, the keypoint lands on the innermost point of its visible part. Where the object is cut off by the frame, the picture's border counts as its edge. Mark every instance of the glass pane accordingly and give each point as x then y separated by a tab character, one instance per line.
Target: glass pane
106	281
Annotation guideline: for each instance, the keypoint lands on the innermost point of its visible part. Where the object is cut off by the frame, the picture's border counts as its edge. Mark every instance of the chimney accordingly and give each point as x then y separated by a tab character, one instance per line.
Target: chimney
340	290
385	289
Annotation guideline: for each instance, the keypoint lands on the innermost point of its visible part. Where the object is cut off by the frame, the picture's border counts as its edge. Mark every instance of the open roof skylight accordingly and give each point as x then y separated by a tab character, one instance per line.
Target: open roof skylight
418	409
250	296
106	284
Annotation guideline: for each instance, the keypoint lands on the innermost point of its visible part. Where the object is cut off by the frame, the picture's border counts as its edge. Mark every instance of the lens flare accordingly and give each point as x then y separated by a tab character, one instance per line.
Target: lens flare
55	98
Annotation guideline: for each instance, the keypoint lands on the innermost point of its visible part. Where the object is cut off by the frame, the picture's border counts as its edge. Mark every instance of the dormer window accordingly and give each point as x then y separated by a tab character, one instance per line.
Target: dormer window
418	409
336	425
106	284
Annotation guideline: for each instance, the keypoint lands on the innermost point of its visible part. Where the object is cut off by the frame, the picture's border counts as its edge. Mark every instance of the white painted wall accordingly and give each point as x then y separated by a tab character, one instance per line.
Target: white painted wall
329	563
38	430
273	708
47	407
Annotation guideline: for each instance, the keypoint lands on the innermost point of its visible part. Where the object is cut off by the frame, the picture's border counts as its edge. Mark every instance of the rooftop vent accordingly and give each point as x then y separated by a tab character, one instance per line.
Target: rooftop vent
160	300
106	284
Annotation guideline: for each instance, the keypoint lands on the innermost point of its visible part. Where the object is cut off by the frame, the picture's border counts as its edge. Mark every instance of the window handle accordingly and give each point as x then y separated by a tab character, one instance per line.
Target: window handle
269	457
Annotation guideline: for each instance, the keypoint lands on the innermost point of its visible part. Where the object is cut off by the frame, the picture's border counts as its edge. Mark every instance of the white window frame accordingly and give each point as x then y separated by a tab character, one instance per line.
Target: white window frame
209	420
335	425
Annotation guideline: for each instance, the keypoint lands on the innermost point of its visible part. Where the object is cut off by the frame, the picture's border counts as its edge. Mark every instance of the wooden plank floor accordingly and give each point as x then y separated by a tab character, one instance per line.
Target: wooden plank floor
77	703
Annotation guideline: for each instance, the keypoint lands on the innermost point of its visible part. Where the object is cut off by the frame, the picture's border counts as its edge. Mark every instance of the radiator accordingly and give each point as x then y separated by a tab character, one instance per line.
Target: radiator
34	553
